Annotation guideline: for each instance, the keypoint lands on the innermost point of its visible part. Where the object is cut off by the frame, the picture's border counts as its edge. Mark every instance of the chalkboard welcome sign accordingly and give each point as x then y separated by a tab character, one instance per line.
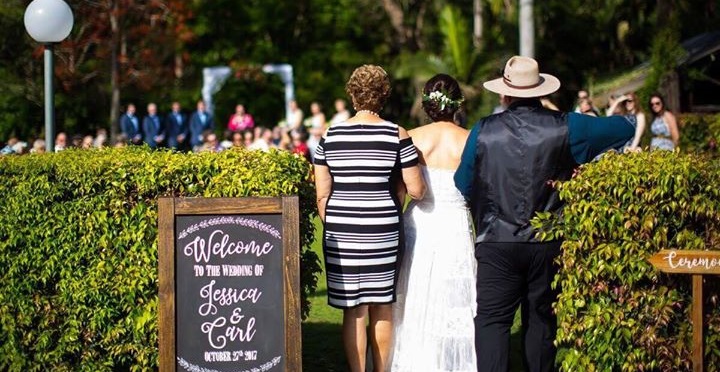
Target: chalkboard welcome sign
229	284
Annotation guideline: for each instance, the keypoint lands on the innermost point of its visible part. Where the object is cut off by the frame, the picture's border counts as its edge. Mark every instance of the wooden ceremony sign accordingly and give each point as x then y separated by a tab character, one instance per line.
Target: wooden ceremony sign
229	280
697	263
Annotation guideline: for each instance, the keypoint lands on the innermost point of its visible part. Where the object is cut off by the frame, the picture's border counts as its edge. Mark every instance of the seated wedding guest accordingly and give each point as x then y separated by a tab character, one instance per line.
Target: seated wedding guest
38	146
586	107
285	141
359	161
298	144
88	142
248	138
226	143
61	141
77	141
120	141
664	126
9	148
581	94
210	143
263	141
277	136
237	140
628	105
240	120
101	138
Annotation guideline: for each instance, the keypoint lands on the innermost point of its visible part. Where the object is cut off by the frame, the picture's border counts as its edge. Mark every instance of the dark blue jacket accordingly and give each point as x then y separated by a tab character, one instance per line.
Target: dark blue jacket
511	159
176	124
153	127
131	129
198	126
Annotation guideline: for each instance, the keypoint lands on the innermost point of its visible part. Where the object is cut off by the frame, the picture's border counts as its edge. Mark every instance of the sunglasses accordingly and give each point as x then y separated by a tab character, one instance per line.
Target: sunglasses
656	103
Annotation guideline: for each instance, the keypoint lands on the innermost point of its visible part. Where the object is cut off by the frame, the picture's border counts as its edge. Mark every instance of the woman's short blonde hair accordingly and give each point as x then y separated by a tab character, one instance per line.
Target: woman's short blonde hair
368	87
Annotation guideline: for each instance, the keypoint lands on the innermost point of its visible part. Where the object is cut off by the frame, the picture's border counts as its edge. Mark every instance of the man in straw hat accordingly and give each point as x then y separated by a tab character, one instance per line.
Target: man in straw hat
506	174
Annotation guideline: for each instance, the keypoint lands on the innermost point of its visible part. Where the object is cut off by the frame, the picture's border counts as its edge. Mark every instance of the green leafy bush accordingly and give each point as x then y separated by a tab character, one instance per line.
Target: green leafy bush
78	247
616	312
699	132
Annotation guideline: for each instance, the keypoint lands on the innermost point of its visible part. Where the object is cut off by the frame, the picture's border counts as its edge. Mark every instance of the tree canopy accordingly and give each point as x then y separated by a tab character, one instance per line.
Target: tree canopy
141	51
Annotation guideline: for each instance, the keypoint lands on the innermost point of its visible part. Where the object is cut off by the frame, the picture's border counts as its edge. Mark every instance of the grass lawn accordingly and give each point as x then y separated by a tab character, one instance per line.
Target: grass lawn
321	338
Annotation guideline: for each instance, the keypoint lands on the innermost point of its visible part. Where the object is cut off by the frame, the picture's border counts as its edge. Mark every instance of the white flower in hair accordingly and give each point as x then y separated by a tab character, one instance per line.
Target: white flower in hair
442	99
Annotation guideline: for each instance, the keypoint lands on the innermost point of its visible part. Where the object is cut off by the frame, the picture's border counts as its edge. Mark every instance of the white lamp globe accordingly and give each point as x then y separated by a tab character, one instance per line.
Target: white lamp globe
48	21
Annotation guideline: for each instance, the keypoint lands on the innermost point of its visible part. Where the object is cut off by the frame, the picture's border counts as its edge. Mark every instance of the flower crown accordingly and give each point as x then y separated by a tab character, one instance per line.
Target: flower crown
442	99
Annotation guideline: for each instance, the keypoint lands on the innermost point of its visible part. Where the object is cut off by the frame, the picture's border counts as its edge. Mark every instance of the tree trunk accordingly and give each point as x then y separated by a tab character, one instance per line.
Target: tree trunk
114	73
527	29
478	23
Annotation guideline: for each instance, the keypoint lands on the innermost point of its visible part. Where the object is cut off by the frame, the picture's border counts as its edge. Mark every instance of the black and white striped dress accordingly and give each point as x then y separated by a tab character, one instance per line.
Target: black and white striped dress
362	230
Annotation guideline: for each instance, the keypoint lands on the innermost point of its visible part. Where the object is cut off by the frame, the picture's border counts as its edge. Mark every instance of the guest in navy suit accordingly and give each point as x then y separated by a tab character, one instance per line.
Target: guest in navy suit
176	128
130	126
200	121
153	127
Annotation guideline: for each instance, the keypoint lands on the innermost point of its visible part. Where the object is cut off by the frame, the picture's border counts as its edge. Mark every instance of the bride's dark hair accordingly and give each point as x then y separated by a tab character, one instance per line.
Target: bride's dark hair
445	105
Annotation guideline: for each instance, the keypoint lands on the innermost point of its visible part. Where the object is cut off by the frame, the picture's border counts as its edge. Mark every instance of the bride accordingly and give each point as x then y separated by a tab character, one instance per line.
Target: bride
433	315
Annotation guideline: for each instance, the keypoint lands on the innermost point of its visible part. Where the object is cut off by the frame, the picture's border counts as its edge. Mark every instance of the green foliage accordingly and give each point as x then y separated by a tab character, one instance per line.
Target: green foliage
78	247
699	133
665	55
457	43
616	311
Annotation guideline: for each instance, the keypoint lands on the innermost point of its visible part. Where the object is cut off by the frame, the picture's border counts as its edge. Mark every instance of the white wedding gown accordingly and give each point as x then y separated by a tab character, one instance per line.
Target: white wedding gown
433	315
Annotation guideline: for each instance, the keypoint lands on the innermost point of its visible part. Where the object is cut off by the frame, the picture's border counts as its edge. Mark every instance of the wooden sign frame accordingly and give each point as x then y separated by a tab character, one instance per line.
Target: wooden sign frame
169	208
696	263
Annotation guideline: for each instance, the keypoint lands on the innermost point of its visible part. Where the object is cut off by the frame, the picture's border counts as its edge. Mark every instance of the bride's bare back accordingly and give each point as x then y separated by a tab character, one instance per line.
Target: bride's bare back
440	144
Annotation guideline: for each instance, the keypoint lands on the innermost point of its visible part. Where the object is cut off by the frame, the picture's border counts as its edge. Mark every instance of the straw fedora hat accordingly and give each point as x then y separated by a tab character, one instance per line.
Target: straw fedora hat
522	78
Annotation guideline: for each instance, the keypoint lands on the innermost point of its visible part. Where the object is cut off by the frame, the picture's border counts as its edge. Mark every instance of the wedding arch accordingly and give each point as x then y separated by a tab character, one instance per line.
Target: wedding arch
215	77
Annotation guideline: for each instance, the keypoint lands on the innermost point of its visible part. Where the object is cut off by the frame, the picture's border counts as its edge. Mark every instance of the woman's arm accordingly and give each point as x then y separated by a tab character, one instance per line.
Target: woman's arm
673	126
639	130
323	185
614	105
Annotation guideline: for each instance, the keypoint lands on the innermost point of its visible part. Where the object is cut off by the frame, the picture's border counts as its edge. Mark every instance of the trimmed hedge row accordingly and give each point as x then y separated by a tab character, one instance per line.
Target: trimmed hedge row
78	247
616	311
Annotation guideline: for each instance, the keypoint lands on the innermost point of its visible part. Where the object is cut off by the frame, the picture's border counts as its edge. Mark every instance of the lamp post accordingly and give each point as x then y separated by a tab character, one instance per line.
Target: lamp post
48	22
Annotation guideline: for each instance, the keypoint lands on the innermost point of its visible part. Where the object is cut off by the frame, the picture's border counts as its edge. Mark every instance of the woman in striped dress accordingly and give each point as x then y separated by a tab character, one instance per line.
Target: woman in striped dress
358	166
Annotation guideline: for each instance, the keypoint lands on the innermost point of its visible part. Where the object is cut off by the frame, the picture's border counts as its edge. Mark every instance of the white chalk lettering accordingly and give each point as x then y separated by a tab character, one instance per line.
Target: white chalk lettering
225	297
208	328
241	330
237	270
218	244
690	263
218	356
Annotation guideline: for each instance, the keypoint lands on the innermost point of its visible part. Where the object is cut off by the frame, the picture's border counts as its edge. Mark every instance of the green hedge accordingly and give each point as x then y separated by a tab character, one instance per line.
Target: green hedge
78	247
616	311
699	132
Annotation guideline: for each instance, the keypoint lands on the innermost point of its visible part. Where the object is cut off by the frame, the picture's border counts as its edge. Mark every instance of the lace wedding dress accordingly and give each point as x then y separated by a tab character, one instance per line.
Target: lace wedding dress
433	315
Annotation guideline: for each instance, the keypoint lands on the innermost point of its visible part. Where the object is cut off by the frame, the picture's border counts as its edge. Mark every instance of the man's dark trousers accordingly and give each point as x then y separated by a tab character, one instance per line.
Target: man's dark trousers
510	275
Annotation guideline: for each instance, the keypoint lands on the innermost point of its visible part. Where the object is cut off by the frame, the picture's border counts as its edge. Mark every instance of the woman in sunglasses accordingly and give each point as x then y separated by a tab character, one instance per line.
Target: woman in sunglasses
627	105
664	125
